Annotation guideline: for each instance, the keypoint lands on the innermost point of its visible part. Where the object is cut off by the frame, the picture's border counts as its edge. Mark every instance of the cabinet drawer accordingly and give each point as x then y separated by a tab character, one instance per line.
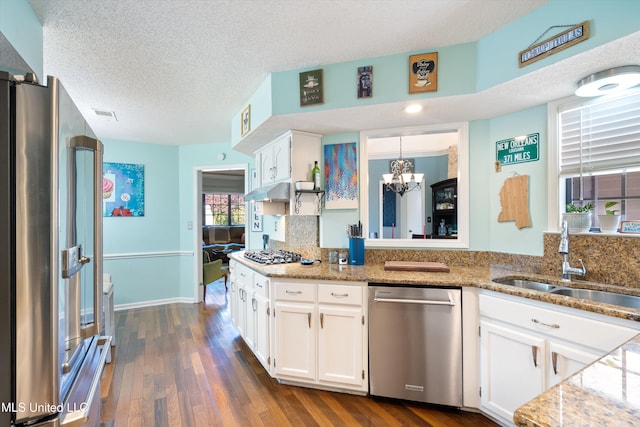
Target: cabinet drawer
289	291
243	273
261	284
588	332
340	294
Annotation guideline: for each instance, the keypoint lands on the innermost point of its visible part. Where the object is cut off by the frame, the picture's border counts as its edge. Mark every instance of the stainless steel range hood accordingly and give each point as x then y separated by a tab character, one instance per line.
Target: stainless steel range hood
275	193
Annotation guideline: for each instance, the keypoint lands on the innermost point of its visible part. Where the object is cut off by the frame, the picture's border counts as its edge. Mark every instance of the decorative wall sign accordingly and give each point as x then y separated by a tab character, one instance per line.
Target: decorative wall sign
365	81
514	200
574	35
122	189
630	227
311	88
256	216
423	72
245	121
518	150
341	176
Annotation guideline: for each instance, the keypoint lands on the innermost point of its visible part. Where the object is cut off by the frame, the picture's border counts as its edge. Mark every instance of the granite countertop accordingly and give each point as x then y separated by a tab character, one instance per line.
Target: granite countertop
479	277
604	393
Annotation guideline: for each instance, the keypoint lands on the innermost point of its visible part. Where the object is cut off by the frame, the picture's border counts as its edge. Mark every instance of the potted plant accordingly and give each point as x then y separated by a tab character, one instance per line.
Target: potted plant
610	221
578	217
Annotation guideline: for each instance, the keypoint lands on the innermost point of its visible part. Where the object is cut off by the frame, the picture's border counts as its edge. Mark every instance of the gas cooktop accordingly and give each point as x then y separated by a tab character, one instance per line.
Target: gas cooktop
273	257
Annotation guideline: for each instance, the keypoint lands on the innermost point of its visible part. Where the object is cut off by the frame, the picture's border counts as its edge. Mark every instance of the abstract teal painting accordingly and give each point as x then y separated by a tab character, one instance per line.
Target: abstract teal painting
341	176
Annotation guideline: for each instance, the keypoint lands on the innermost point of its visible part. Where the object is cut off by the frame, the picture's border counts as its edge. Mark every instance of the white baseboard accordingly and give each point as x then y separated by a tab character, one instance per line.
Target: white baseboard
152	303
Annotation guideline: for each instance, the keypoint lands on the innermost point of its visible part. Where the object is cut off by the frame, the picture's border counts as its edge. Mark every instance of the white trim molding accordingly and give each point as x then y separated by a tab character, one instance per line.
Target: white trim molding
152	303
134	255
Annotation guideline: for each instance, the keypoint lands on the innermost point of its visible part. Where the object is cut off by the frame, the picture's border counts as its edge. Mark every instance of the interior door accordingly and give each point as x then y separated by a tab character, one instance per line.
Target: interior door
412	212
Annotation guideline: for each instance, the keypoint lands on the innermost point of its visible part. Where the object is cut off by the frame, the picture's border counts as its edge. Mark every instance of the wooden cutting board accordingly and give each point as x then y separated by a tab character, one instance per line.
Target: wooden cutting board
416	266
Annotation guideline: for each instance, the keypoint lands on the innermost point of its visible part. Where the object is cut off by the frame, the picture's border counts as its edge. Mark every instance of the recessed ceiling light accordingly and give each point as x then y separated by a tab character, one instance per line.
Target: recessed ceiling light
612	80
412	109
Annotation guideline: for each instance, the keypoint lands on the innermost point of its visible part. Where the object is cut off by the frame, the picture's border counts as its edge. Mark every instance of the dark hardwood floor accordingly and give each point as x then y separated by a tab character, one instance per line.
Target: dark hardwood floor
185	365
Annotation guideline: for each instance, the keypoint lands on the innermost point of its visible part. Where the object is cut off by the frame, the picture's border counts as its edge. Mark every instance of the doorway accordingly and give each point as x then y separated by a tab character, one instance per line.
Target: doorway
232	179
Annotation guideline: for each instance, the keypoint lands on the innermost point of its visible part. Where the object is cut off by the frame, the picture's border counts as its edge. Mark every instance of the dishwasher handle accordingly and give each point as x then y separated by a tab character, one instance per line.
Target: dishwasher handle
415	301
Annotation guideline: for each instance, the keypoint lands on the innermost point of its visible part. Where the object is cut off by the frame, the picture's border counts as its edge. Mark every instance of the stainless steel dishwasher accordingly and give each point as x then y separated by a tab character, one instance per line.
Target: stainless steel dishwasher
415	343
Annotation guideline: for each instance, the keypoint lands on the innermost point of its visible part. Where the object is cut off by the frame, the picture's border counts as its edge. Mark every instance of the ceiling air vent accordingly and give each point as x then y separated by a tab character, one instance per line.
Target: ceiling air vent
109	116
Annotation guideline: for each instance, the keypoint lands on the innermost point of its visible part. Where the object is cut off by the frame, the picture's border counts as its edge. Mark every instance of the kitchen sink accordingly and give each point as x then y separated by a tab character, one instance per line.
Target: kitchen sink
527	284
623	300
614	298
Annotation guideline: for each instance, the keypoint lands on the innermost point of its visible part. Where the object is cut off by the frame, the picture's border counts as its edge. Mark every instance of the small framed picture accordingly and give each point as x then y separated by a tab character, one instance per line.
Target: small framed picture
423	72
311	88
365	82
245	121
630	227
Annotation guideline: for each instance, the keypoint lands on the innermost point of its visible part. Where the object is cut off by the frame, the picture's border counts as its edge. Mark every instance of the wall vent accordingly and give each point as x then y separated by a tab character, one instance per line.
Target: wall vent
106	115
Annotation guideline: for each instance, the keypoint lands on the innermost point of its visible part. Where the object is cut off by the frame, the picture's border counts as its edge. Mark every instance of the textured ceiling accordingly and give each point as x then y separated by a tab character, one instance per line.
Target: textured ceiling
175	72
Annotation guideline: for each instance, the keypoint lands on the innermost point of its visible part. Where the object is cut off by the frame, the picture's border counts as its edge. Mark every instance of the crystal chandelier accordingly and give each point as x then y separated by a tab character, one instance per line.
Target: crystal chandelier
402	178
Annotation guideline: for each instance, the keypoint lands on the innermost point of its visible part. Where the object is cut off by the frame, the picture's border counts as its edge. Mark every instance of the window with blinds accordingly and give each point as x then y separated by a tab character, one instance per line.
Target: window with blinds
600	153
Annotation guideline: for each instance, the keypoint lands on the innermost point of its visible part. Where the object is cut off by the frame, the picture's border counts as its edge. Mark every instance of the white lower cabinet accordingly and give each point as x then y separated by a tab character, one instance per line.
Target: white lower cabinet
527	347
320	334
512	370
295	343
339	355
250	314
261	319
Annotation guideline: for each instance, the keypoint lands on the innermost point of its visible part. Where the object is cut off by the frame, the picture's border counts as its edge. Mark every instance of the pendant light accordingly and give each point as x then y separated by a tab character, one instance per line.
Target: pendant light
402	178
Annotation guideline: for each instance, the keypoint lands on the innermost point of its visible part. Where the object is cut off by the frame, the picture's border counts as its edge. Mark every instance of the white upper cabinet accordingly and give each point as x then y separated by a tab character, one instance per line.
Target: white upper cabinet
275	160
290	158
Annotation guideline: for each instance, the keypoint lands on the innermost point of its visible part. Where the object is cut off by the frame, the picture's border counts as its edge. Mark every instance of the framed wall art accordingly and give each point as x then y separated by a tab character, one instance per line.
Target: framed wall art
341	176
245	121
311	88
365	82
122	189
423	72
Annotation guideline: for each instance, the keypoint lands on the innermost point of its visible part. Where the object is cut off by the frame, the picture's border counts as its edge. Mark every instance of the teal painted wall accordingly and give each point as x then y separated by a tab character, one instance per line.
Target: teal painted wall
456	76
333	223
20	25
497	52
505	236
480	167
260	110
141	253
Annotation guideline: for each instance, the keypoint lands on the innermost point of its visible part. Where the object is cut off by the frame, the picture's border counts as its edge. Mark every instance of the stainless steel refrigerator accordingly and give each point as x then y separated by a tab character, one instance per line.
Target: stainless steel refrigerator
51	351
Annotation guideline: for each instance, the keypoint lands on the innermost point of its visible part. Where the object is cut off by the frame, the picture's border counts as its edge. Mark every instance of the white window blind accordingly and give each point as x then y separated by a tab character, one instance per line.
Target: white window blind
603	135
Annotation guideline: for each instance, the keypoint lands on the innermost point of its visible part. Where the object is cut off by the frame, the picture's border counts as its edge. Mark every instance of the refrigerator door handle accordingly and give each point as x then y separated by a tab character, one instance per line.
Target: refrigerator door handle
84	142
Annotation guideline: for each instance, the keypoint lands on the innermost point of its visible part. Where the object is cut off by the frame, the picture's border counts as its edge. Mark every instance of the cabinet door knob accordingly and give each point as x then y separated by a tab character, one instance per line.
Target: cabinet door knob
554	362
321	320
309	319
534	353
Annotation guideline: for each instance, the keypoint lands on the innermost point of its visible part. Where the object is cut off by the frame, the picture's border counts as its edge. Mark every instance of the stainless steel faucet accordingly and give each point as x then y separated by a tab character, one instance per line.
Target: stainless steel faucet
567	270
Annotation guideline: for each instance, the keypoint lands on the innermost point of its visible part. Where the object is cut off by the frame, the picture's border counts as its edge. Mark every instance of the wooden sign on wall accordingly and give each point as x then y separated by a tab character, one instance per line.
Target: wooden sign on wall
555	44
